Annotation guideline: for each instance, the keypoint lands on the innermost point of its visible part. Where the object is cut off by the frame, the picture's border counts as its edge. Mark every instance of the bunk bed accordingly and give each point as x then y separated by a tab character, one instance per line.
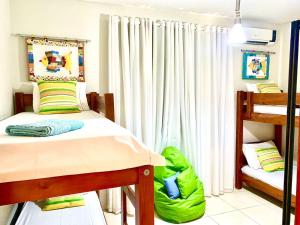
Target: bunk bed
22	182
264	108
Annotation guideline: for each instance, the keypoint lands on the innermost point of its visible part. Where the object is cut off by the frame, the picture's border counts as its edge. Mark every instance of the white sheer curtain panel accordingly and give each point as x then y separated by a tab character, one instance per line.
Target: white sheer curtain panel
173	85
130	79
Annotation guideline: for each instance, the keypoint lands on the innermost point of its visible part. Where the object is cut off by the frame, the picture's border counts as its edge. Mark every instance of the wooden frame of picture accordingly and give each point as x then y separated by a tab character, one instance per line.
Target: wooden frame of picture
256	66
55	59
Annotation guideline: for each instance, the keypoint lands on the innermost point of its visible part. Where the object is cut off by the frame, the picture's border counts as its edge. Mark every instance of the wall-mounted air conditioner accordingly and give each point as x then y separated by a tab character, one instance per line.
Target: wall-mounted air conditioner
258	36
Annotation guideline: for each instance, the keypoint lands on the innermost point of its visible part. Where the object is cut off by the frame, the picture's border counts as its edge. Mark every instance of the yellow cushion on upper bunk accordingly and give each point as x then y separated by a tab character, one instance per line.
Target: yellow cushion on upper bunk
268	88
270	159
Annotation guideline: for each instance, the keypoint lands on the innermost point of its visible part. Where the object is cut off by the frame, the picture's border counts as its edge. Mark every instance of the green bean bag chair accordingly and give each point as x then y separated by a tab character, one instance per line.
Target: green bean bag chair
187	207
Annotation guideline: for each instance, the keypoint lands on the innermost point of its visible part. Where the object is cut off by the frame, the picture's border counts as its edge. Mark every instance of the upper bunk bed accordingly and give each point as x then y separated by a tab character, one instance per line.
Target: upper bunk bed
264	107
101	155
268	108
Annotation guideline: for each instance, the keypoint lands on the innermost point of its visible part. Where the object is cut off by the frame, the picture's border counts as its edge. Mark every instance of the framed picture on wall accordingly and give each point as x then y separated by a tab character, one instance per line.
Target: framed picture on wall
256	66
55	59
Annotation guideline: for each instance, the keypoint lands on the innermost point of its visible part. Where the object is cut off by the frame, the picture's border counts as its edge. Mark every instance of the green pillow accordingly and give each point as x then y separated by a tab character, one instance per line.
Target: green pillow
270	159
58	97
268	88
187	182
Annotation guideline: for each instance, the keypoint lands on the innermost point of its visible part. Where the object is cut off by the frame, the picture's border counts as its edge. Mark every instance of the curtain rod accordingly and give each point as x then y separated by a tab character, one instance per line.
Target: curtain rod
160	22
257	51
51	37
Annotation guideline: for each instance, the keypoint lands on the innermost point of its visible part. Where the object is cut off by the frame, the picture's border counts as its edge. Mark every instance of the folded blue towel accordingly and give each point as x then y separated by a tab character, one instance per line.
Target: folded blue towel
44	128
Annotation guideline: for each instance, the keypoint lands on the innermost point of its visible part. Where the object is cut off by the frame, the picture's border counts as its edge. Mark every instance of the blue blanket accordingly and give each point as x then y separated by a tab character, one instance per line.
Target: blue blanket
44	128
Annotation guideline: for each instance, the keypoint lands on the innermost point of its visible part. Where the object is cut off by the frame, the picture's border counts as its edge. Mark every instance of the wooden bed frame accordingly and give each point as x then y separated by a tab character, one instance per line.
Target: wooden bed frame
245	111
142	177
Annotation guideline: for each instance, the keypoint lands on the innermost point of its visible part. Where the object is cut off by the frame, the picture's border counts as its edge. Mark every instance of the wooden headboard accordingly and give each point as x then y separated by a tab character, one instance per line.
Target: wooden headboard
98	103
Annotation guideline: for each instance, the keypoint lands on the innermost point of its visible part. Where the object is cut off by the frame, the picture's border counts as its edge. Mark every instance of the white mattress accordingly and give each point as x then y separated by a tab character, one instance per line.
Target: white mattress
275	179
89	214
273	109
90	149
94	125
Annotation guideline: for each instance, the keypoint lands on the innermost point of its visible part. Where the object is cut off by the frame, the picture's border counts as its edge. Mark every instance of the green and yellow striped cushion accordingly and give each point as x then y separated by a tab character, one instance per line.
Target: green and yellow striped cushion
62	202
268	88
58	97
270	159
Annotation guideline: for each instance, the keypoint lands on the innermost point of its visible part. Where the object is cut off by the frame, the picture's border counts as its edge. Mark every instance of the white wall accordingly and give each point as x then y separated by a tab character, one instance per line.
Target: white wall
5	76
5	61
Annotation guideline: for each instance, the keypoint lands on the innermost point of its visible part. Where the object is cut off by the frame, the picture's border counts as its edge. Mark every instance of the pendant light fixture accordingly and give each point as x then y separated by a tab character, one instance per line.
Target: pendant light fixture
237	34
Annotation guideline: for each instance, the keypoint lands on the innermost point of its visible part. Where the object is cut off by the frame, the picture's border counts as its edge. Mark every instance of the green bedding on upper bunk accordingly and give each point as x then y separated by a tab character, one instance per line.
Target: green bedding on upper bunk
178	210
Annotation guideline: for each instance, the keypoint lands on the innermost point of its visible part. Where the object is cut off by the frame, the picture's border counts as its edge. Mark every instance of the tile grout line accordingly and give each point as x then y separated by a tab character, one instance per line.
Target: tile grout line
224	212
250	217
243	208
238	210
214	221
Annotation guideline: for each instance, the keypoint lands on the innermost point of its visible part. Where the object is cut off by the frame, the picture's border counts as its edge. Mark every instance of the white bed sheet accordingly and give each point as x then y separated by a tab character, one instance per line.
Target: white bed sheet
99	146
94	125
89	214
275	179
272	109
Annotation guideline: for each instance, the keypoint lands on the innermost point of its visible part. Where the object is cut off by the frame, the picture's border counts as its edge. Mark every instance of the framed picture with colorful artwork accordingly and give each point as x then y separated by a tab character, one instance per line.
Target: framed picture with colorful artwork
55	59
256	65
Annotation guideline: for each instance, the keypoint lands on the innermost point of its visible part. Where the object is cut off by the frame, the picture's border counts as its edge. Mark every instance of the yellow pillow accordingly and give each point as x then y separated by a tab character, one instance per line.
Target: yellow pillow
270	159
58	97
62	202
268	88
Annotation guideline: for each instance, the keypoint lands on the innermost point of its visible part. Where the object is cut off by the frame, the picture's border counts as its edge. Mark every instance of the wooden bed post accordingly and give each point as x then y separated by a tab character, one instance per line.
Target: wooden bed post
278	138
144	197
249	104
19	102
239	139
109	109
124	208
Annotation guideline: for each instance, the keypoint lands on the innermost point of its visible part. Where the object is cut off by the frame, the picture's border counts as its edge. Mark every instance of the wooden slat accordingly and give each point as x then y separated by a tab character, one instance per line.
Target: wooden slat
272	98
129	193
270	118
266	188
32	190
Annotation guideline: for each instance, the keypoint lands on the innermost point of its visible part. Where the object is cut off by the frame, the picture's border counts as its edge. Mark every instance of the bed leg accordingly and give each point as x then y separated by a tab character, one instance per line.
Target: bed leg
124	207
144	197
239	139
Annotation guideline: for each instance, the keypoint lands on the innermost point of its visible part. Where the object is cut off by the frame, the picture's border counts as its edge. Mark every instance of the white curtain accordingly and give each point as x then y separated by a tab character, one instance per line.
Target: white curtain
173	85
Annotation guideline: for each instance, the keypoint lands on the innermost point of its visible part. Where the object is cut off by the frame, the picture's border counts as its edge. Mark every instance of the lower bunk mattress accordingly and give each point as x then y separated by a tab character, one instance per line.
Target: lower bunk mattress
89	214
273	109
275	179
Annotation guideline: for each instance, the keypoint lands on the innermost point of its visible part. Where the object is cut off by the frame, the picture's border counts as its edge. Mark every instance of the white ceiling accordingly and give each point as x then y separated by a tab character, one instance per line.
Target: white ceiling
271	11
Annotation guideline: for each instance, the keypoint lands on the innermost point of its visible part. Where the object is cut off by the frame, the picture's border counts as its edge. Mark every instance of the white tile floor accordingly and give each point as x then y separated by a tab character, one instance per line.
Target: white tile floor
240	207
